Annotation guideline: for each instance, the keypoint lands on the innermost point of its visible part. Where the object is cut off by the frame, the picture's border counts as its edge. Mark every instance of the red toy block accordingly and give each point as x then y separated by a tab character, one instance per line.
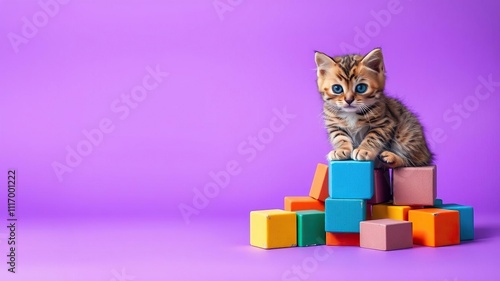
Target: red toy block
414	186
342	239
386	234
302	203
382	187
319	186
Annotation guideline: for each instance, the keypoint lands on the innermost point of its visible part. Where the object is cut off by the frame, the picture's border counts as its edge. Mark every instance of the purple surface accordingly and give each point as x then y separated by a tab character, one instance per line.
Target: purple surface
232	72
218	249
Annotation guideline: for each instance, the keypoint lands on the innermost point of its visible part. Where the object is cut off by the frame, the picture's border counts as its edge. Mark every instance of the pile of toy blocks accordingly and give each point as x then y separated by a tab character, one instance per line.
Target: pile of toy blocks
352	204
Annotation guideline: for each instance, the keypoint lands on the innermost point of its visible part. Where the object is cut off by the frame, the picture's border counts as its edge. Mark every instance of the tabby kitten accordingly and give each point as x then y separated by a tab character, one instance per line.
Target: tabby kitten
362	122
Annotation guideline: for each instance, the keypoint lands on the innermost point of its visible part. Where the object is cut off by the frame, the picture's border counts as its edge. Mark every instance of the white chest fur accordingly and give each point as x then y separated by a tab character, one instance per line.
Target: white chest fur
356	131
351	120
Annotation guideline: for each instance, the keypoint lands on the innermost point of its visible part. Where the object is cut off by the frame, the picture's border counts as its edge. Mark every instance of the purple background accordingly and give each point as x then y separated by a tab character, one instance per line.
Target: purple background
228	72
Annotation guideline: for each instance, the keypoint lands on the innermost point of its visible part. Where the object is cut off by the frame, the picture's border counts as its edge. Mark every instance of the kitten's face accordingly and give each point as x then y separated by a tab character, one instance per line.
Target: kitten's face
353	83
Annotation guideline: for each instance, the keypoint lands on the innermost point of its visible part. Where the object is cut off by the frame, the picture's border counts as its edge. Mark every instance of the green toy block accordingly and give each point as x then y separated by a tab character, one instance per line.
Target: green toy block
466	219
310	228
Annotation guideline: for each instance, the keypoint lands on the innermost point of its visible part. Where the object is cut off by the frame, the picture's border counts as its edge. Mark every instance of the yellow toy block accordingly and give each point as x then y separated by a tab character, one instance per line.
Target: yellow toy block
271	229
388	211
435	227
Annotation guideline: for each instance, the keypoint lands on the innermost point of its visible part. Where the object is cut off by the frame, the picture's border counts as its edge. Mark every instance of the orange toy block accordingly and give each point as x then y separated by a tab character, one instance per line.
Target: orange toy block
301	203
319	186
435	227
342	239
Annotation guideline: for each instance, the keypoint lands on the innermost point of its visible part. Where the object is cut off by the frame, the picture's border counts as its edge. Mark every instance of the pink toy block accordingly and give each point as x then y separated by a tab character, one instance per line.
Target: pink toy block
382	187
386	234
414	186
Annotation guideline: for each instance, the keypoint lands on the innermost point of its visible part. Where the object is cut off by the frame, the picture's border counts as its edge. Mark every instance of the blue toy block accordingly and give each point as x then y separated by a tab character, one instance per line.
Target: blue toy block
310	228
438	202
351	179
344	215
466	219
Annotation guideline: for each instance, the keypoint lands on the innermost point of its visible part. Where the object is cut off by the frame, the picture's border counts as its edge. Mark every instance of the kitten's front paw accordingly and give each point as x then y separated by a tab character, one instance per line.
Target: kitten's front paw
362	154
391	160
339	154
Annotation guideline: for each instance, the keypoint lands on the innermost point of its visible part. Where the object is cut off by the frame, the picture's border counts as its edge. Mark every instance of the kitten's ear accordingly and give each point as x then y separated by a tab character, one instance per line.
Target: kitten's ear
323	63
374	60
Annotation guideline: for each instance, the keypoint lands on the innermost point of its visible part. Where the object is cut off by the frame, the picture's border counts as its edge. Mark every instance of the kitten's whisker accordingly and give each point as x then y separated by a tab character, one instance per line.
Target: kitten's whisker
366	111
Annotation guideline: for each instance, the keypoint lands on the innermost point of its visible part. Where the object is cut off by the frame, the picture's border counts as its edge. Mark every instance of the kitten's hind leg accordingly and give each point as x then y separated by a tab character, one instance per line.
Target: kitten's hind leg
391	159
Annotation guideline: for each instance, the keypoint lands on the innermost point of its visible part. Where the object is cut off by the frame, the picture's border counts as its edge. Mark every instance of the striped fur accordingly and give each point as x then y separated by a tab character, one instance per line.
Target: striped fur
373	126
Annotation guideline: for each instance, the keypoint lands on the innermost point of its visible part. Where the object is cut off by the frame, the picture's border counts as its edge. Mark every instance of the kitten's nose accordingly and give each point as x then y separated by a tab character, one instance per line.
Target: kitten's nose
349	101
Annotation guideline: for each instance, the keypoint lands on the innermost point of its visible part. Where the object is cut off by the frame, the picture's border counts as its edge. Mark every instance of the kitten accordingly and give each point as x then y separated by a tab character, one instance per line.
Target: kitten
362	122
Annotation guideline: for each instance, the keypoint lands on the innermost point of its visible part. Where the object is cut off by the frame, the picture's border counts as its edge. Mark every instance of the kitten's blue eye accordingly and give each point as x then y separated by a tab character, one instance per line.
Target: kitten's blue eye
361	88
337	89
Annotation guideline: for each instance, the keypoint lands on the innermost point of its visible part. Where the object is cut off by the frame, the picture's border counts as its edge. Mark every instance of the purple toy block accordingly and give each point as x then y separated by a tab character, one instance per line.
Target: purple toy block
382	187
414	186
386	234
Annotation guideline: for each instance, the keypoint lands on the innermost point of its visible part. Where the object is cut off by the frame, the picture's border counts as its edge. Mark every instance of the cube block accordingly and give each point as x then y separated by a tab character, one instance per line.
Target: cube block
351	179
435	227
301	203
310	228
389	211
342	239
466	219
344	215
368	211
438	202
382	187
386	234
414	186
273	229
319	186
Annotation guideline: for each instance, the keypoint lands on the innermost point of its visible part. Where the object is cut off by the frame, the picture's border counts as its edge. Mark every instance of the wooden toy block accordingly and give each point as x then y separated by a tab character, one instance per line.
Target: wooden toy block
342	239
271	229
466	219
368	211
382	187
414	186
438	202
386	234
344	215
319	186
301	203
435	227
351	179
389	211
310	228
